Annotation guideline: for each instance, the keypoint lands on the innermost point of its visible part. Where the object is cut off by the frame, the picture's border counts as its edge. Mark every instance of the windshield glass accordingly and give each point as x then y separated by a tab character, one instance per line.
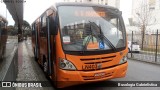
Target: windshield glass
90	28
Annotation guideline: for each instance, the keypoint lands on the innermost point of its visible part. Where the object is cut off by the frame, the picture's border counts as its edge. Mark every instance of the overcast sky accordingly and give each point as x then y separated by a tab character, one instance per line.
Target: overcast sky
34	8
6	14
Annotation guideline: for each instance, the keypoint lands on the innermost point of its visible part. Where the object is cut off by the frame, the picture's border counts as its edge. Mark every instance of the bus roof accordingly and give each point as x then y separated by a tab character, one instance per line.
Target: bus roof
2	18
83	4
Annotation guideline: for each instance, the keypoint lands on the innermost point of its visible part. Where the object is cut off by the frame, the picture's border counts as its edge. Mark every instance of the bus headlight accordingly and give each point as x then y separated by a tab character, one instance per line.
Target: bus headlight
66	65
123	60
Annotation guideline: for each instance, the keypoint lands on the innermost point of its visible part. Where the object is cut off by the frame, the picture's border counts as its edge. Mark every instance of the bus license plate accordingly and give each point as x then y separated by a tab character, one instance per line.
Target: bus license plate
92	66
89	67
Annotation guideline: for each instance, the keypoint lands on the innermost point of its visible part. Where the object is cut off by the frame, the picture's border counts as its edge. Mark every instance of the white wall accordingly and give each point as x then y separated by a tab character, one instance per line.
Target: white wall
157	4
112	3
126	7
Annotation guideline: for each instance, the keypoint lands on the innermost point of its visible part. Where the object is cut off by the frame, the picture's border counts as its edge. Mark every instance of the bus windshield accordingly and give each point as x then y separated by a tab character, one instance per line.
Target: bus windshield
91	28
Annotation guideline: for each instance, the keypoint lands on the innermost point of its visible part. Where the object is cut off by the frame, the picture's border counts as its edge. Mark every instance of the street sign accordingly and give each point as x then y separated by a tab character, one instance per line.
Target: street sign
101	45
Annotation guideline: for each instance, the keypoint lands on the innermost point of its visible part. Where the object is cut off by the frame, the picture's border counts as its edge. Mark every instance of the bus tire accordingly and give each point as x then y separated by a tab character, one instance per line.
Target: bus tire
45	66
1	57
35	57
129	50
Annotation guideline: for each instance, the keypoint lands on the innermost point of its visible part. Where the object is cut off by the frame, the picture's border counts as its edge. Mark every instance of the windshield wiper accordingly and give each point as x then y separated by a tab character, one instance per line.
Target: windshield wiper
101	36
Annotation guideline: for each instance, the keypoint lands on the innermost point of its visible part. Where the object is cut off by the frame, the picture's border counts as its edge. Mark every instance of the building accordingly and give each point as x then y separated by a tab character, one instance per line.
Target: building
154	4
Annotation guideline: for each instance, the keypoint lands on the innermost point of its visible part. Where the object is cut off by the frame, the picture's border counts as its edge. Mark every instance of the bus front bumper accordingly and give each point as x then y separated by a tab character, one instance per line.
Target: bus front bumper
69	78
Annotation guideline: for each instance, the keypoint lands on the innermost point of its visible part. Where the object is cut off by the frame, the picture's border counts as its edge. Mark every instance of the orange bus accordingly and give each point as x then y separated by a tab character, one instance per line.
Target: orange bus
77	43
3	35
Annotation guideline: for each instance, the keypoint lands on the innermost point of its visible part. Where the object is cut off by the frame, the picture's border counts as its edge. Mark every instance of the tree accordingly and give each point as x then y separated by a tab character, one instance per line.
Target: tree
12	31
26	28
24	31
144	16
26	25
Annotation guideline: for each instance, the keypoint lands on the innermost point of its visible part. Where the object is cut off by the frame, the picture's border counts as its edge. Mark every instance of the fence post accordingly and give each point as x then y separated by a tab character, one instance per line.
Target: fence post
131	45
156	46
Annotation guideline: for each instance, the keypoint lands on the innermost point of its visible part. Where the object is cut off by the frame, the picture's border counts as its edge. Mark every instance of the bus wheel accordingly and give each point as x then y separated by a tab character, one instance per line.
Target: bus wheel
45	66
35	57
1	57
129	50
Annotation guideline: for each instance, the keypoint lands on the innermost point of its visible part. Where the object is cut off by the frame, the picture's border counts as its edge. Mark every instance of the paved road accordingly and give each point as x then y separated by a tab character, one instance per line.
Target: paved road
28	69
137	71
10	46
10	49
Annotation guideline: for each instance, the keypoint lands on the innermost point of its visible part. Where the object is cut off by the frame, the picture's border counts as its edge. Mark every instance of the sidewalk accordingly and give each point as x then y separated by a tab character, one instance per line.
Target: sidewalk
144	58
28	68
149	52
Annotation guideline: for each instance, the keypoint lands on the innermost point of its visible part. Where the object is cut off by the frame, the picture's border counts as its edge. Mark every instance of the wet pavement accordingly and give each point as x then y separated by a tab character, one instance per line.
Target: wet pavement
29	70
10	50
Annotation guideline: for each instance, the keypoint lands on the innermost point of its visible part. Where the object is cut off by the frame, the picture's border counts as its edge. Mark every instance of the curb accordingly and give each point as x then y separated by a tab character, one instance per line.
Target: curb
158	63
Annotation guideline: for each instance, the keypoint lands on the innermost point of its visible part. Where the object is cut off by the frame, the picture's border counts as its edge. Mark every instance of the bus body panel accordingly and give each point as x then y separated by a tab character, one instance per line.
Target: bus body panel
69	78
106	60
89	68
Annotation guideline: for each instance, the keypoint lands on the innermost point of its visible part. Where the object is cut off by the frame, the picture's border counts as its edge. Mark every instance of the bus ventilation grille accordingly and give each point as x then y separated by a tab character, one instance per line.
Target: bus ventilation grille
98	60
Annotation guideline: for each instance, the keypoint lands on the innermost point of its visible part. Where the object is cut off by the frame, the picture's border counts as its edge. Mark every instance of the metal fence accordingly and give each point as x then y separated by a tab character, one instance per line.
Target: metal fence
151	46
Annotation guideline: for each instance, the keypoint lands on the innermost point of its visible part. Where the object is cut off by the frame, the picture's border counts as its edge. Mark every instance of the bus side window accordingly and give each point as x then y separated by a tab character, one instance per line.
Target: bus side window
33	29
43	30
52	24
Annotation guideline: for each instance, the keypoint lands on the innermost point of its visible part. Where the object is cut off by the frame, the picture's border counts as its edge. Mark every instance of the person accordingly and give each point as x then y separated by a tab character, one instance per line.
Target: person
93	42
92	39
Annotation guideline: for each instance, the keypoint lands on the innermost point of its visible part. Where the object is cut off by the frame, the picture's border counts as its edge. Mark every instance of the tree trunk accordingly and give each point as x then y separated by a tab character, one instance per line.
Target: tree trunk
143	34
19	33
